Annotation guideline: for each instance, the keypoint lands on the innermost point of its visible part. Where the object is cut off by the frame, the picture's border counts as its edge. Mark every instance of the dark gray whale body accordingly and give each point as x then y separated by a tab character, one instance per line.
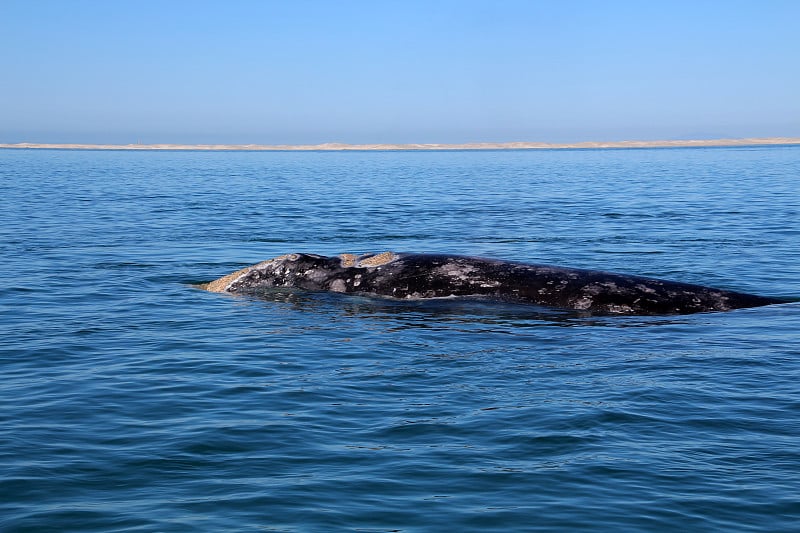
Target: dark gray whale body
420	276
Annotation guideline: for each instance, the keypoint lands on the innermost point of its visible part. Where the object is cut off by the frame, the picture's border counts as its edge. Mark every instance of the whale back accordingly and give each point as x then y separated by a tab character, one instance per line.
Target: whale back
424	276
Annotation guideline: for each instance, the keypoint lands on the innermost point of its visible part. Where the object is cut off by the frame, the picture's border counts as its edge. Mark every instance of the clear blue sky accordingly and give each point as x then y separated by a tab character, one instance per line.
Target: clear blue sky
304	71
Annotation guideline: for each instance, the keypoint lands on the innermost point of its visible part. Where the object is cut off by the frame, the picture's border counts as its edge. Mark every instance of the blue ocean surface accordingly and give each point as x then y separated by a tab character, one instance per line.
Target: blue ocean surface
130	400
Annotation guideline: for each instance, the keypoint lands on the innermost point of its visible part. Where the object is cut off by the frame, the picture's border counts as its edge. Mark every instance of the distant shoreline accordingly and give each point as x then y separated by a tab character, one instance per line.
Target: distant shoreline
332	147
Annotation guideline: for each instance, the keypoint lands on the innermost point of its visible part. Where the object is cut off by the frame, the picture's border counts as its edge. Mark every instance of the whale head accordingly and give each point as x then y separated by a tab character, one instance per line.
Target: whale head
275	272
307	271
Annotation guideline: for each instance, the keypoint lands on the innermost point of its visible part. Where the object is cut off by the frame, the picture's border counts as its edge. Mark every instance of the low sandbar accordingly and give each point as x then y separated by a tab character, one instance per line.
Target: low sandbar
400	147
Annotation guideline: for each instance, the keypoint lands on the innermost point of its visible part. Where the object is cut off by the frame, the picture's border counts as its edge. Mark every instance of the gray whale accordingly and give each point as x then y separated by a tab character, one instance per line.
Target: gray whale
420	276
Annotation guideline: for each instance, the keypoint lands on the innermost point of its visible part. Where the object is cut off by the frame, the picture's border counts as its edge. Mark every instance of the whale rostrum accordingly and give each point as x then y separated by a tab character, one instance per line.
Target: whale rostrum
422	276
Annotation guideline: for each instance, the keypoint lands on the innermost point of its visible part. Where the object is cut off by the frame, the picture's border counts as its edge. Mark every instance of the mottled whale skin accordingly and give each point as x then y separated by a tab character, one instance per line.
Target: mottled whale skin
420	276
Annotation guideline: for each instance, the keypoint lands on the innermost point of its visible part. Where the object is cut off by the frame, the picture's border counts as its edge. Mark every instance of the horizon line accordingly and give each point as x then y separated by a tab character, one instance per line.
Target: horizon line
335	146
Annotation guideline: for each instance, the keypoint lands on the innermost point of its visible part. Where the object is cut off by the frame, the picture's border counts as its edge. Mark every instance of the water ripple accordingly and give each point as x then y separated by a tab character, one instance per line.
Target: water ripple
133	401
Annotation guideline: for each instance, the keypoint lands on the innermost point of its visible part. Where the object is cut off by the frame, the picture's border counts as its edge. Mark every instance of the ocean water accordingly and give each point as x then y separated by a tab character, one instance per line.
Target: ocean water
132	401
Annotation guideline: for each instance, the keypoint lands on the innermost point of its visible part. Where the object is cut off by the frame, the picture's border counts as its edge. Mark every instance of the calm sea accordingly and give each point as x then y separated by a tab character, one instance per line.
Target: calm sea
131	401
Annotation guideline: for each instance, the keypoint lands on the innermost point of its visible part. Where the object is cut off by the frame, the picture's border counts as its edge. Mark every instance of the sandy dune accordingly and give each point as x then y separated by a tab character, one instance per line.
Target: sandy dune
467	146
